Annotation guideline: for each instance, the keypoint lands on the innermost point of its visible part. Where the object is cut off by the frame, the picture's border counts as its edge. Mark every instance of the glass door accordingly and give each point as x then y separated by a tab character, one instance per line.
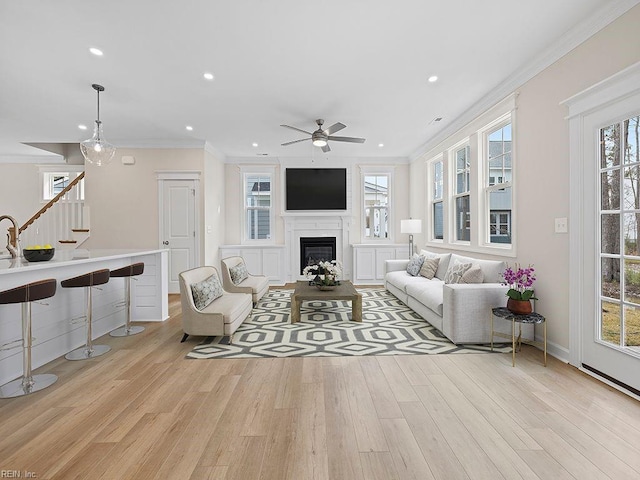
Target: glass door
612	348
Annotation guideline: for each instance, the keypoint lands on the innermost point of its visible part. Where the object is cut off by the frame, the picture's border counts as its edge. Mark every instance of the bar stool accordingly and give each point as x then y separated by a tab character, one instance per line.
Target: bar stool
26	294
88	280
127	272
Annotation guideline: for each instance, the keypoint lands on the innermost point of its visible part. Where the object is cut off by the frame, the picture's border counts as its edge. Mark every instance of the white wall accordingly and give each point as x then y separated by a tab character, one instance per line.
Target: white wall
124	198
542	168
214	209
19	195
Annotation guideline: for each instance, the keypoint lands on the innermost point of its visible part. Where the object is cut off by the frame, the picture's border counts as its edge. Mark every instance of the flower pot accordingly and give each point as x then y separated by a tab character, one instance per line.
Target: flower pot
519	307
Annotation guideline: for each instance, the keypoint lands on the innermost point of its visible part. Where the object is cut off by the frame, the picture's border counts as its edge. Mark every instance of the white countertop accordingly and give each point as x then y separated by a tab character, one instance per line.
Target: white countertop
69	257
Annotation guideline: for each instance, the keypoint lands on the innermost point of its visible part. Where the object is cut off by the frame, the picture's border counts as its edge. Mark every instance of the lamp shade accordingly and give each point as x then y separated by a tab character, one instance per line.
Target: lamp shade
411	226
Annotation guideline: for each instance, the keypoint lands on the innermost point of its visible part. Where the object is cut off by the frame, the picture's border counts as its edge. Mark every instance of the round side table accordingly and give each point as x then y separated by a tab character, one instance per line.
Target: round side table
533	317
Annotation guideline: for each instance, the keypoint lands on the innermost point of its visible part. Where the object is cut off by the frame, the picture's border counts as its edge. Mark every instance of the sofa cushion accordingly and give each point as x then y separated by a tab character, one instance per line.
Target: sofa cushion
400	279
206	291
491	269
456	269
429	293
443	264
413	268
256	282
429	267
231	306
473	275
238	273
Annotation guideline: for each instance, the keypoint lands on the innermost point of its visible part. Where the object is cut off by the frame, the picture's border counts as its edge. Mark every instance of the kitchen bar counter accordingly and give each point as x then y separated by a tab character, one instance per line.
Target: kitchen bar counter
58	327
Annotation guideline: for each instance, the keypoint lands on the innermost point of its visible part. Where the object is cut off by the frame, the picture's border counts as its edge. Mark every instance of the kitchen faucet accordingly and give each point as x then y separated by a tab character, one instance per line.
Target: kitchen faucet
13	250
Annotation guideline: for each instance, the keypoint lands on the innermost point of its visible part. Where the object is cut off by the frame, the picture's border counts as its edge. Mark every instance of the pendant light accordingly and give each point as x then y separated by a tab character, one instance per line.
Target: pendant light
97	150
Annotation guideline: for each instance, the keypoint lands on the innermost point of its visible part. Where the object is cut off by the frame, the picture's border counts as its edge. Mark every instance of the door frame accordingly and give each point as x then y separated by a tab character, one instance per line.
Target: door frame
584	108
194	177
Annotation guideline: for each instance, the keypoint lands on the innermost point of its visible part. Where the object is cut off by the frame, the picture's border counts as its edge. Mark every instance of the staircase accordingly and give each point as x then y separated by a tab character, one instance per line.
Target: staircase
62	223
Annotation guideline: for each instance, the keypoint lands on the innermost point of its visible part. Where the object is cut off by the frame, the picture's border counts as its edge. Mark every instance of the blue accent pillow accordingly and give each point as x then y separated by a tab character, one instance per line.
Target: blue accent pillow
238	273
415	264
206	291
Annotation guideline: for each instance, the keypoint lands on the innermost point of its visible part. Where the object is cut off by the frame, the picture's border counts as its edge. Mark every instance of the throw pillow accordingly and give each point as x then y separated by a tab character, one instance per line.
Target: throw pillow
206	291
473	275
429	267
238	273
455	272
415	264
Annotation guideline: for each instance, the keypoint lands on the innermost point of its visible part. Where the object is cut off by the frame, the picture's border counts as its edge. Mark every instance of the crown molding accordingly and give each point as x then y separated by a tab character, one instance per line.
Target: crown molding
316	162
560	47
36	159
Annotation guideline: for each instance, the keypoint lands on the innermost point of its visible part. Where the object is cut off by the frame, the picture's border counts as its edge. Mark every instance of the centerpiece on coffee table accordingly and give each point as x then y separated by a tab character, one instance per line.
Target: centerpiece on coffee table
324	275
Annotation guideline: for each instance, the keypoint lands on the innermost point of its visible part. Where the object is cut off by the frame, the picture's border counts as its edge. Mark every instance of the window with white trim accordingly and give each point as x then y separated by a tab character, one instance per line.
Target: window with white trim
375	192
475	183
437	200
497	163
462	198
56	180
258	203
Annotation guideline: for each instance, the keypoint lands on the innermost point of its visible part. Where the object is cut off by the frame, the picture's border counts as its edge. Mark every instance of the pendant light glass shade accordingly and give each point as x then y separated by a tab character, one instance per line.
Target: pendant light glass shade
97	150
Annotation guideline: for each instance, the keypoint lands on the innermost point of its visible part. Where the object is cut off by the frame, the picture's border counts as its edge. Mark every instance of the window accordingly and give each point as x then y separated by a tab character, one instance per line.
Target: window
462	196
469	195
619	232
376	206
257	206
437	209
54	181
498	164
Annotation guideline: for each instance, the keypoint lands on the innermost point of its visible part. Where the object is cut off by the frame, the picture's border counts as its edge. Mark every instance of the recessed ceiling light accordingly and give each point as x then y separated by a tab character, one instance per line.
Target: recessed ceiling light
254	144
189	127
96	51
208	76
381	145
433	78
82	127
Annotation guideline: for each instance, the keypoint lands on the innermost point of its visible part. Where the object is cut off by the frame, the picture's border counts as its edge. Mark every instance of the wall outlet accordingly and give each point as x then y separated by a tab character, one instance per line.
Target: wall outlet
561	225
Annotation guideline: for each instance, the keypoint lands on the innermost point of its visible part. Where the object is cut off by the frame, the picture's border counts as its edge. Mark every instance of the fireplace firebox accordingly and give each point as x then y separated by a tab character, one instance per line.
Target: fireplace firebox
316	249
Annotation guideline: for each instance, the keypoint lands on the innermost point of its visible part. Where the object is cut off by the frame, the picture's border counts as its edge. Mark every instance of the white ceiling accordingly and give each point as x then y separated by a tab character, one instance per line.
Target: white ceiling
364	64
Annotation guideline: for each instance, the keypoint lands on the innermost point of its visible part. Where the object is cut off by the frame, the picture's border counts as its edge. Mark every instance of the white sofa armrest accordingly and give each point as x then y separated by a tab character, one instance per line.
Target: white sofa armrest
466	310
395	265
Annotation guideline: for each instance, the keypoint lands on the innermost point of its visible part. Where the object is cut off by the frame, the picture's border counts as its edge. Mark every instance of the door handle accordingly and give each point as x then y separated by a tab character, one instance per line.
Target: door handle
166	242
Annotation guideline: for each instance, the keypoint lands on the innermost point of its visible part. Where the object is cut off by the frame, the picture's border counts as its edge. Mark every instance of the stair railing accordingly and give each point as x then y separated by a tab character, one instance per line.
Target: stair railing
47	206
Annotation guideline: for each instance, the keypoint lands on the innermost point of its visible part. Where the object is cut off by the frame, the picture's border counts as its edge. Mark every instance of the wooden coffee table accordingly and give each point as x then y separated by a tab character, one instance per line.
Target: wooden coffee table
344	291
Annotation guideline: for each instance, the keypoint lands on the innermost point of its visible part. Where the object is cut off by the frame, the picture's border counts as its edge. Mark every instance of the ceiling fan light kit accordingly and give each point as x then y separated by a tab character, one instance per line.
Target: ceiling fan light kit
320	138
97	150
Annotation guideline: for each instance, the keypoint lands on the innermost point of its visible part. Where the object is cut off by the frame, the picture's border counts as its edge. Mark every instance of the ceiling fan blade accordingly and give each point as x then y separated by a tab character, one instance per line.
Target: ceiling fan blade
295	141
347	139
326	148
295	128
336	127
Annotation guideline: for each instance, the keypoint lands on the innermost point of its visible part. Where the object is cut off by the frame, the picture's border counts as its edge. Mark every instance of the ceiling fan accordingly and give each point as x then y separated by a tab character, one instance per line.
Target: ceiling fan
321	137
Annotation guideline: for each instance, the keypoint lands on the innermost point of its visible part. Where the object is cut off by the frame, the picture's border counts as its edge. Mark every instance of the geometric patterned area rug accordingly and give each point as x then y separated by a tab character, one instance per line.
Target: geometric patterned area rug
388	327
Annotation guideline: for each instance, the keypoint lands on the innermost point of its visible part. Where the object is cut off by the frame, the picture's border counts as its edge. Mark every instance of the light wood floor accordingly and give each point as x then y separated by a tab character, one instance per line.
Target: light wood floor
143	411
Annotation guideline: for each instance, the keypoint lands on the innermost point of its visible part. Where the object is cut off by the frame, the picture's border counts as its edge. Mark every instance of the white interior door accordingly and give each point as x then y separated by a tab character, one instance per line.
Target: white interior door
178	229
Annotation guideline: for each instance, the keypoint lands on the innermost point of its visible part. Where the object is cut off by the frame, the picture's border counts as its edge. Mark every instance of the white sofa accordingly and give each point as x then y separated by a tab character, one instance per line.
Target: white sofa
460	311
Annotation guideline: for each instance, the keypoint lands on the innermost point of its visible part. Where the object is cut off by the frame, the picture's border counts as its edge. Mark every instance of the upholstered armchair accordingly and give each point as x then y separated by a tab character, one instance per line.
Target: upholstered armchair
237	279
207	309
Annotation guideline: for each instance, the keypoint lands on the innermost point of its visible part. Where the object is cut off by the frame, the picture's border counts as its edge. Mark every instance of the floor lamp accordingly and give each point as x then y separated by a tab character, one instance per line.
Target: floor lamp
411	226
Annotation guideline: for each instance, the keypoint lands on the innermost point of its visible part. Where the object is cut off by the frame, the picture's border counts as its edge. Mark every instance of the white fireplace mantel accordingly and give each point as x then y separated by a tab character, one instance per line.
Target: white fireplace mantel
312	225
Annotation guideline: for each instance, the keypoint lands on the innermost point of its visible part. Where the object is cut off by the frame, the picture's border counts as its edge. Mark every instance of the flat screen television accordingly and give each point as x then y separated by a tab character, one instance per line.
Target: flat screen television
316	188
